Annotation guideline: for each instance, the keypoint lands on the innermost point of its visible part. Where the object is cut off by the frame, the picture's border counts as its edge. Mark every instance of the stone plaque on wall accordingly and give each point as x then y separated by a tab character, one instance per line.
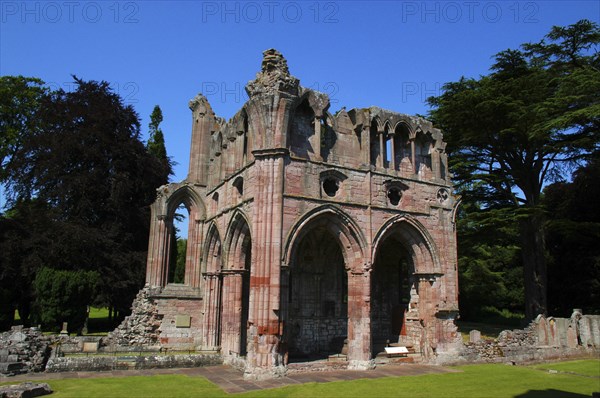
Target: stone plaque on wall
183	321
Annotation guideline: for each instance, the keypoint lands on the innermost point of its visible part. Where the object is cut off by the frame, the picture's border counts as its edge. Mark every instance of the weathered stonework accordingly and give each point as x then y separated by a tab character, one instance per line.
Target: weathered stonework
23	350
543	339
141	328
306	230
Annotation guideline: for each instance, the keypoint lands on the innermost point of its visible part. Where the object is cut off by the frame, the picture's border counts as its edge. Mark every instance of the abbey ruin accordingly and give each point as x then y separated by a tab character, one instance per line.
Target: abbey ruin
311	234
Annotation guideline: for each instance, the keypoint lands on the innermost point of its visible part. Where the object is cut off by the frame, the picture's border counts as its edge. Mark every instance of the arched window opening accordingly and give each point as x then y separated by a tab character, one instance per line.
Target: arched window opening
423	149
302	131
374	138
402	147
238	183
388	151
328	138
178	249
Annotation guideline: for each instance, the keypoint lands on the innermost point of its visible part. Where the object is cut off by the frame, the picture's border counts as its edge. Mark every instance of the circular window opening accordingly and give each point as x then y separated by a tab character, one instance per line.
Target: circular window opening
331	186
394	196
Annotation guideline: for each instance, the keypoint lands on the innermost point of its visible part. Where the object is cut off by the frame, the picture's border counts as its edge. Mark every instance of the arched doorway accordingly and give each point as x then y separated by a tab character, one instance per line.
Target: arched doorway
323	285
392	284
317	297
403	259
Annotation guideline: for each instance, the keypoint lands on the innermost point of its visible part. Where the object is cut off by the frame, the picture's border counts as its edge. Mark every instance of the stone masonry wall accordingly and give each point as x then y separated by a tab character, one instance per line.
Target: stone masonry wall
544	338
141	327
23	350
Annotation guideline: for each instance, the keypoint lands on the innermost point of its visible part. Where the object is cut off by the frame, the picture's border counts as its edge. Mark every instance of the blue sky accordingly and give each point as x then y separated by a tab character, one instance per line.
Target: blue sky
391	54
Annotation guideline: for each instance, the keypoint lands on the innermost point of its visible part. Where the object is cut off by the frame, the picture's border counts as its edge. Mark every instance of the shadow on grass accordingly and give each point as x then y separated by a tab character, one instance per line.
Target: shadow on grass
551	393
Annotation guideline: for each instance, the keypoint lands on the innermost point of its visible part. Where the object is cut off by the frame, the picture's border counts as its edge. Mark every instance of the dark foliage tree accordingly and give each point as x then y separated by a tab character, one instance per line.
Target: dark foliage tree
87	164
490	271
524	125
573	233
19	101
24	245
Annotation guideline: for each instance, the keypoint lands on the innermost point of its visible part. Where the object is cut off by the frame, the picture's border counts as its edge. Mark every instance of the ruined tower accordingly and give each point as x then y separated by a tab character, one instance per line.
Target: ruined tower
309	234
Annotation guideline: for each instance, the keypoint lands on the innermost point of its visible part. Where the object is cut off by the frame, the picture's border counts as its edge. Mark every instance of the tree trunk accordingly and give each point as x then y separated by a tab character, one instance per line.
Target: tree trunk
534	266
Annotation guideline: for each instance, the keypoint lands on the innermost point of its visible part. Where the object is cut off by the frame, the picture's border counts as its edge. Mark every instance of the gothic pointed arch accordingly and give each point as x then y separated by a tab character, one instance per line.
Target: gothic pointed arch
416	240
238	242
236	286
340	224
212	261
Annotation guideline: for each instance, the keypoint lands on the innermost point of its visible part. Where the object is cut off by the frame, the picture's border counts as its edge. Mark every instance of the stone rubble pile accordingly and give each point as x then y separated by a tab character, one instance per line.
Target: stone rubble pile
23	350
25	390
141	328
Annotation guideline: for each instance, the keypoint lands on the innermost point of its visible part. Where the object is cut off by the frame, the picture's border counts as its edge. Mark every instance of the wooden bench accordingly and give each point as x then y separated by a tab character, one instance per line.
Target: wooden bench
401	351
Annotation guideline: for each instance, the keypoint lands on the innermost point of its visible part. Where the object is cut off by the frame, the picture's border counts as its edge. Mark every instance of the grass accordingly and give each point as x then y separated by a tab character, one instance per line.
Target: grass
586	368
473	381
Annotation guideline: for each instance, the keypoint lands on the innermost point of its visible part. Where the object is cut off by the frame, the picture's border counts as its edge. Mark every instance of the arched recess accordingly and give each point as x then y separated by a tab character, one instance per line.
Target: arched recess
402	146
236	286
212	265
375	155
318	299
302	140
404	256
423	151
186	196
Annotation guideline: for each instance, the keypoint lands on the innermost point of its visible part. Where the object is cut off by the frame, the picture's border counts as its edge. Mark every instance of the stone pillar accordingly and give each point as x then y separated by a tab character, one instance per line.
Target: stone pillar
264	333
412	157
158	251
212	310
380	159
203	121
193	252
317	146
359	322
435	163
232	313
366	140
393	154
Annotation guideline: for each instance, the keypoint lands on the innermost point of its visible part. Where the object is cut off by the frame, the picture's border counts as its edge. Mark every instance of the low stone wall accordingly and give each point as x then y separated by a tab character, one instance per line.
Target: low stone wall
104	363
544	339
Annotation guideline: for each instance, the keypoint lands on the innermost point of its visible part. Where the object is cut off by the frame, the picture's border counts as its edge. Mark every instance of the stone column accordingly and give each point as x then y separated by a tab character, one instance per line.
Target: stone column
359	322
212	310
202	123
263	334
193	252
158	251
232	313
380	160
366	140
412	157
393	154
435	163
317	147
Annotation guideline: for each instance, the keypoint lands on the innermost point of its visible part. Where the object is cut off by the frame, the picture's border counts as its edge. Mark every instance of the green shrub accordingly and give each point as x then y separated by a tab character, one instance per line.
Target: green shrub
63	296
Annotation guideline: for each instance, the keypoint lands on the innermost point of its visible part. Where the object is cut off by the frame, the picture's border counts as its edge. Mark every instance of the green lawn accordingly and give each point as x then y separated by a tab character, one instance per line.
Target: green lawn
472	381
588	368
